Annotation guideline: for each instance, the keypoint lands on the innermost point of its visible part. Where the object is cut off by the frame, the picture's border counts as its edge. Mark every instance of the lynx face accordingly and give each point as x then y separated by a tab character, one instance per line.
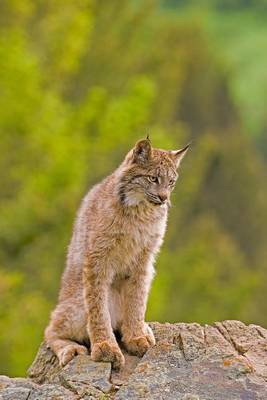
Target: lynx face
150	175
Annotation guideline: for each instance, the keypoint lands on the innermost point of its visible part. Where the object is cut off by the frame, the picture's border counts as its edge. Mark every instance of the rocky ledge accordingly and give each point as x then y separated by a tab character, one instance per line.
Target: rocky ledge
225	361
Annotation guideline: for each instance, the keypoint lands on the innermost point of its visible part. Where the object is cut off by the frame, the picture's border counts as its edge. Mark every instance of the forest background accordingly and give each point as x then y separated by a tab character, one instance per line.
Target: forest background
80	83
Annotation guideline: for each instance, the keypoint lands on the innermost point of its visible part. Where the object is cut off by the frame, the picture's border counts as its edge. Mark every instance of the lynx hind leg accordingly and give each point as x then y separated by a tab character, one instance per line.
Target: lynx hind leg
63	331
66	350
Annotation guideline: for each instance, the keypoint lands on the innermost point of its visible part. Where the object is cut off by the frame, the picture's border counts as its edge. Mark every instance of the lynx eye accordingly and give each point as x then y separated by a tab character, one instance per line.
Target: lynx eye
171	182
153	179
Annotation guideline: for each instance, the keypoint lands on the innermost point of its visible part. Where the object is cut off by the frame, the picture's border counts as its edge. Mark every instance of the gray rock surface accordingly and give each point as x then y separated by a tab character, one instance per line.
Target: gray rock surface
225	361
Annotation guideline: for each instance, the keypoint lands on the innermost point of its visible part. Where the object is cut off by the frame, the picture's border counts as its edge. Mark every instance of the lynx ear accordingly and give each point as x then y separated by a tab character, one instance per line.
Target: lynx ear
178	155
142	151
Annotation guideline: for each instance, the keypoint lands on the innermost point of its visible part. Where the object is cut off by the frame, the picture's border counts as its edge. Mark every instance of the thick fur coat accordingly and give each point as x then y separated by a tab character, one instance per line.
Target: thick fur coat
118	231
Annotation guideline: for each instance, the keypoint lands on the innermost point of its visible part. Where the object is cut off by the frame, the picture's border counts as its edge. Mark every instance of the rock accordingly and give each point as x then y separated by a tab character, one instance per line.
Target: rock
45	367
12	393
84	376
51	392
225	361
166	374
26	389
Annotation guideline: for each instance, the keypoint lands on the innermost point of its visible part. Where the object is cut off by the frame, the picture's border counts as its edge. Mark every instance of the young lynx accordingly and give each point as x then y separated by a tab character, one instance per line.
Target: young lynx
118	231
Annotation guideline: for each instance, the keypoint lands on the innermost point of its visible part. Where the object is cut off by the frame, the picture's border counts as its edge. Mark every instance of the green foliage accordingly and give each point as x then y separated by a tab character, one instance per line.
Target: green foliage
81	81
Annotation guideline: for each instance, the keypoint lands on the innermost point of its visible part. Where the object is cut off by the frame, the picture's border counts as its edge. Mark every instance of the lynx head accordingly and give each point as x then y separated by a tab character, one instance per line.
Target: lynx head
149	175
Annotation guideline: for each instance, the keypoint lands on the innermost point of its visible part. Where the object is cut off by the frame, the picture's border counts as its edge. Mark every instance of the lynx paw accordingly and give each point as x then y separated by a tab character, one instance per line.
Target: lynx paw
69	352
140	344
108	351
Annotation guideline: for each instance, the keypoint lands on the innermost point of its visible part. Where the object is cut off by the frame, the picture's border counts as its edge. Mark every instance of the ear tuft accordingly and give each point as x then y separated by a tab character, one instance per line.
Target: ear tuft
142	151
178	155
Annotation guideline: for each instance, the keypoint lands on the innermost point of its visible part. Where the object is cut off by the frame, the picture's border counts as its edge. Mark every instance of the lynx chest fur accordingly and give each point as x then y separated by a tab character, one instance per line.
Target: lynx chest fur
130	236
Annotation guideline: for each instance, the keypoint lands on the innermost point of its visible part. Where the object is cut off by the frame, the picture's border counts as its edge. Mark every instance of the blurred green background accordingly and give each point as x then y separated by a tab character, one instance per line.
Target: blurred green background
80	83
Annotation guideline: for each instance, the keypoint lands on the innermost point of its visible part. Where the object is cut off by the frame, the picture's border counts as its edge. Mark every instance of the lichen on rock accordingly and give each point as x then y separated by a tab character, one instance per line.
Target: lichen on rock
225	361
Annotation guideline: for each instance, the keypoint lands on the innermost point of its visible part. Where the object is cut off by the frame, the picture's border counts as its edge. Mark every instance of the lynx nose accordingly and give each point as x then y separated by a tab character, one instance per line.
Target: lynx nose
163	197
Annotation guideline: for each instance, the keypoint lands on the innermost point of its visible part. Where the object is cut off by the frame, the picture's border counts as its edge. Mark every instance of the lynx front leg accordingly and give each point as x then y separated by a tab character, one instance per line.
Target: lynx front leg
103	342
136	334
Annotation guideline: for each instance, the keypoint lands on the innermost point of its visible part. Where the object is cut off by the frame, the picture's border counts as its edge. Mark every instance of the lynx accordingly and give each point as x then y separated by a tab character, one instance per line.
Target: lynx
118	231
